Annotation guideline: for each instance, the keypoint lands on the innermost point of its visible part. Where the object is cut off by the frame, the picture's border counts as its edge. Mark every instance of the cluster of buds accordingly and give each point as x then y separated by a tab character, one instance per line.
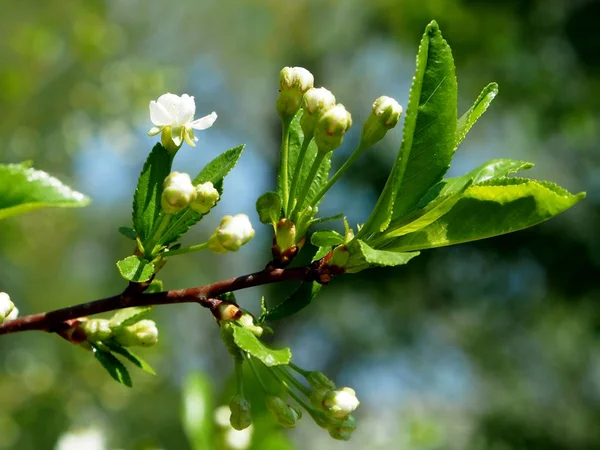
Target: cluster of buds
232	233
8	310
179	193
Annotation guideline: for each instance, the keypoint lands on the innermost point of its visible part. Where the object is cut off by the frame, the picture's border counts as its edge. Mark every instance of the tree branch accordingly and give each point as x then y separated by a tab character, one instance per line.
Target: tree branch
54	320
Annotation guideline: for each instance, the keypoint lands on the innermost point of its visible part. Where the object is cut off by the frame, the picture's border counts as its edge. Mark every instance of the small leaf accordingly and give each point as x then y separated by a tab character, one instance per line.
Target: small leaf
146	199
299	300
128	232
198	406
155	286
129	316
326	219
491	208
326	238
227	297
469	118
321	252
23	189
136	269
248	342
362	257
429	134
215	172
268	207
113	366
129	355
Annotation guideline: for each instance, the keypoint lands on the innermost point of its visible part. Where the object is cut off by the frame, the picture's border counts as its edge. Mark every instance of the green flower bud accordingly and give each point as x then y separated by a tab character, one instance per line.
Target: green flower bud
231	234
177	192
315	102
247	321
285	414
143	333
293	83
97	329
340	256
343	432
241	416
319	381
285	234
6	308
331	127
204	198
340	402
317	397
385	116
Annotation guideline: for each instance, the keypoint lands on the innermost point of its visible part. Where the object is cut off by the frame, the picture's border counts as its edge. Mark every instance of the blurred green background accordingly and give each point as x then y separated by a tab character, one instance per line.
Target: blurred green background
488	346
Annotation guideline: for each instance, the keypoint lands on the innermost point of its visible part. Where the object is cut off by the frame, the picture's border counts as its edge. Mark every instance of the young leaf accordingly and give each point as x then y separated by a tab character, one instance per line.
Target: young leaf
198	405
268	207
128	233
113	366
155	286
325	238
215	172
321	252
295	144
299	300
326	219
362	257
429	134
469	118
492	208
135	268
248	342
129	355
129	316
146	199
23	189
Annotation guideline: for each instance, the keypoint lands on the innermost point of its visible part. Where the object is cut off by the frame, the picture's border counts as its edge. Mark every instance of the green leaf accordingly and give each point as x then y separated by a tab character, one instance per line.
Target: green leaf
146	199
321	252
325	238
128	232
362	257
268	207
469	118
492	208
155	286
129	355
129	316
23	189
198	405
299	300
215	172
135	268
113	366
429	134
295	144
326	219
248	342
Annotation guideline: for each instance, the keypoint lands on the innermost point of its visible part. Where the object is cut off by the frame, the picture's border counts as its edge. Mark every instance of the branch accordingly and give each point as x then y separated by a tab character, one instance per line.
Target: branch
54	320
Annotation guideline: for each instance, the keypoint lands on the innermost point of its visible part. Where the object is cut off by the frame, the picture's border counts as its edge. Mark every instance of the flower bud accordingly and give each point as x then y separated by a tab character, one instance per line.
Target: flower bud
317	397
204	198
315	102
143	333
331	127
285	414
231	234
293	83
285	234
6	307
340	256
247	321
340	402
97	329
319	381
241	416
177	192
385	116
343	432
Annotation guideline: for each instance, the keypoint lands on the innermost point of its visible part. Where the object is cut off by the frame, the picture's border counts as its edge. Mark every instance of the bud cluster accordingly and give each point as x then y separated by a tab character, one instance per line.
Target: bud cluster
179	193
8	311
232	233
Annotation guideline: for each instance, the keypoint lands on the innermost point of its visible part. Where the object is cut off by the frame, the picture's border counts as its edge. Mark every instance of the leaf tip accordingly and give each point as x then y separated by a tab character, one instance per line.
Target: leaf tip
432	28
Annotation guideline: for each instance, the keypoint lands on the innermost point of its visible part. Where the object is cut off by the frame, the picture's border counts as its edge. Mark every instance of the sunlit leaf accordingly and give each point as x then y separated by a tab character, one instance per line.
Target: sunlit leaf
299	300
324	238
113	366
130	356
136	269
129	316
248	342
362	257
469	118
268	207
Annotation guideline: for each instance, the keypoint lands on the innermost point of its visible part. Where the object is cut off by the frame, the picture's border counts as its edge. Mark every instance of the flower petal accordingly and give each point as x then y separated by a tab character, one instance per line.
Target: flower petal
189	137
155	130
186	111
204	122
159	115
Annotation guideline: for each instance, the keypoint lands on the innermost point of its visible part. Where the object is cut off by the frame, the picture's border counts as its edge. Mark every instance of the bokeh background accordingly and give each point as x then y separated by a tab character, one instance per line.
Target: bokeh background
493	345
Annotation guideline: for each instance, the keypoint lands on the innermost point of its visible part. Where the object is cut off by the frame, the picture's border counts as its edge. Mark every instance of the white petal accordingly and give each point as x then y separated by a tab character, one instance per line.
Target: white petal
172	104
189	137
154	131
204	122
187	109
159	115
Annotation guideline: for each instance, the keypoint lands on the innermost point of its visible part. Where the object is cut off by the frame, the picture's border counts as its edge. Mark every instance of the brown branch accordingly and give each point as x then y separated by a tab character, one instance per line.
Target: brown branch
54	320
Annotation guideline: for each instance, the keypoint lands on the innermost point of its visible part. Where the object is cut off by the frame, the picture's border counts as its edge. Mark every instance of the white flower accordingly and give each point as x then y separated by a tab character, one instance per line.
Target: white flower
341	402
174	115
89	439
231	234
7	308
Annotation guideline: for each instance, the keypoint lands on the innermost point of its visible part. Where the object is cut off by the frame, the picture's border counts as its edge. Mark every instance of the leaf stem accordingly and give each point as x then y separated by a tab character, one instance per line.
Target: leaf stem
162	226
257	375
283	170
183	251
298	169
239	375
305	390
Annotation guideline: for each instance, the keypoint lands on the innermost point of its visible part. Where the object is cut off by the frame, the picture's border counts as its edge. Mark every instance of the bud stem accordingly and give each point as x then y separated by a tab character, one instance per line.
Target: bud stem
353	157
239	375
306	391
308	182
299	161
283	170
300	370
295	396
161	226
256	374
183	251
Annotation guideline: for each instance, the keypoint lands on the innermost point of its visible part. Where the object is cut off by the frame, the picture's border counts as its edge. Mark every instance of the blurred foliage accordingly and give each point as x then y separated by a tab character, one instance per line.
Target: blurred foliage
487	346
